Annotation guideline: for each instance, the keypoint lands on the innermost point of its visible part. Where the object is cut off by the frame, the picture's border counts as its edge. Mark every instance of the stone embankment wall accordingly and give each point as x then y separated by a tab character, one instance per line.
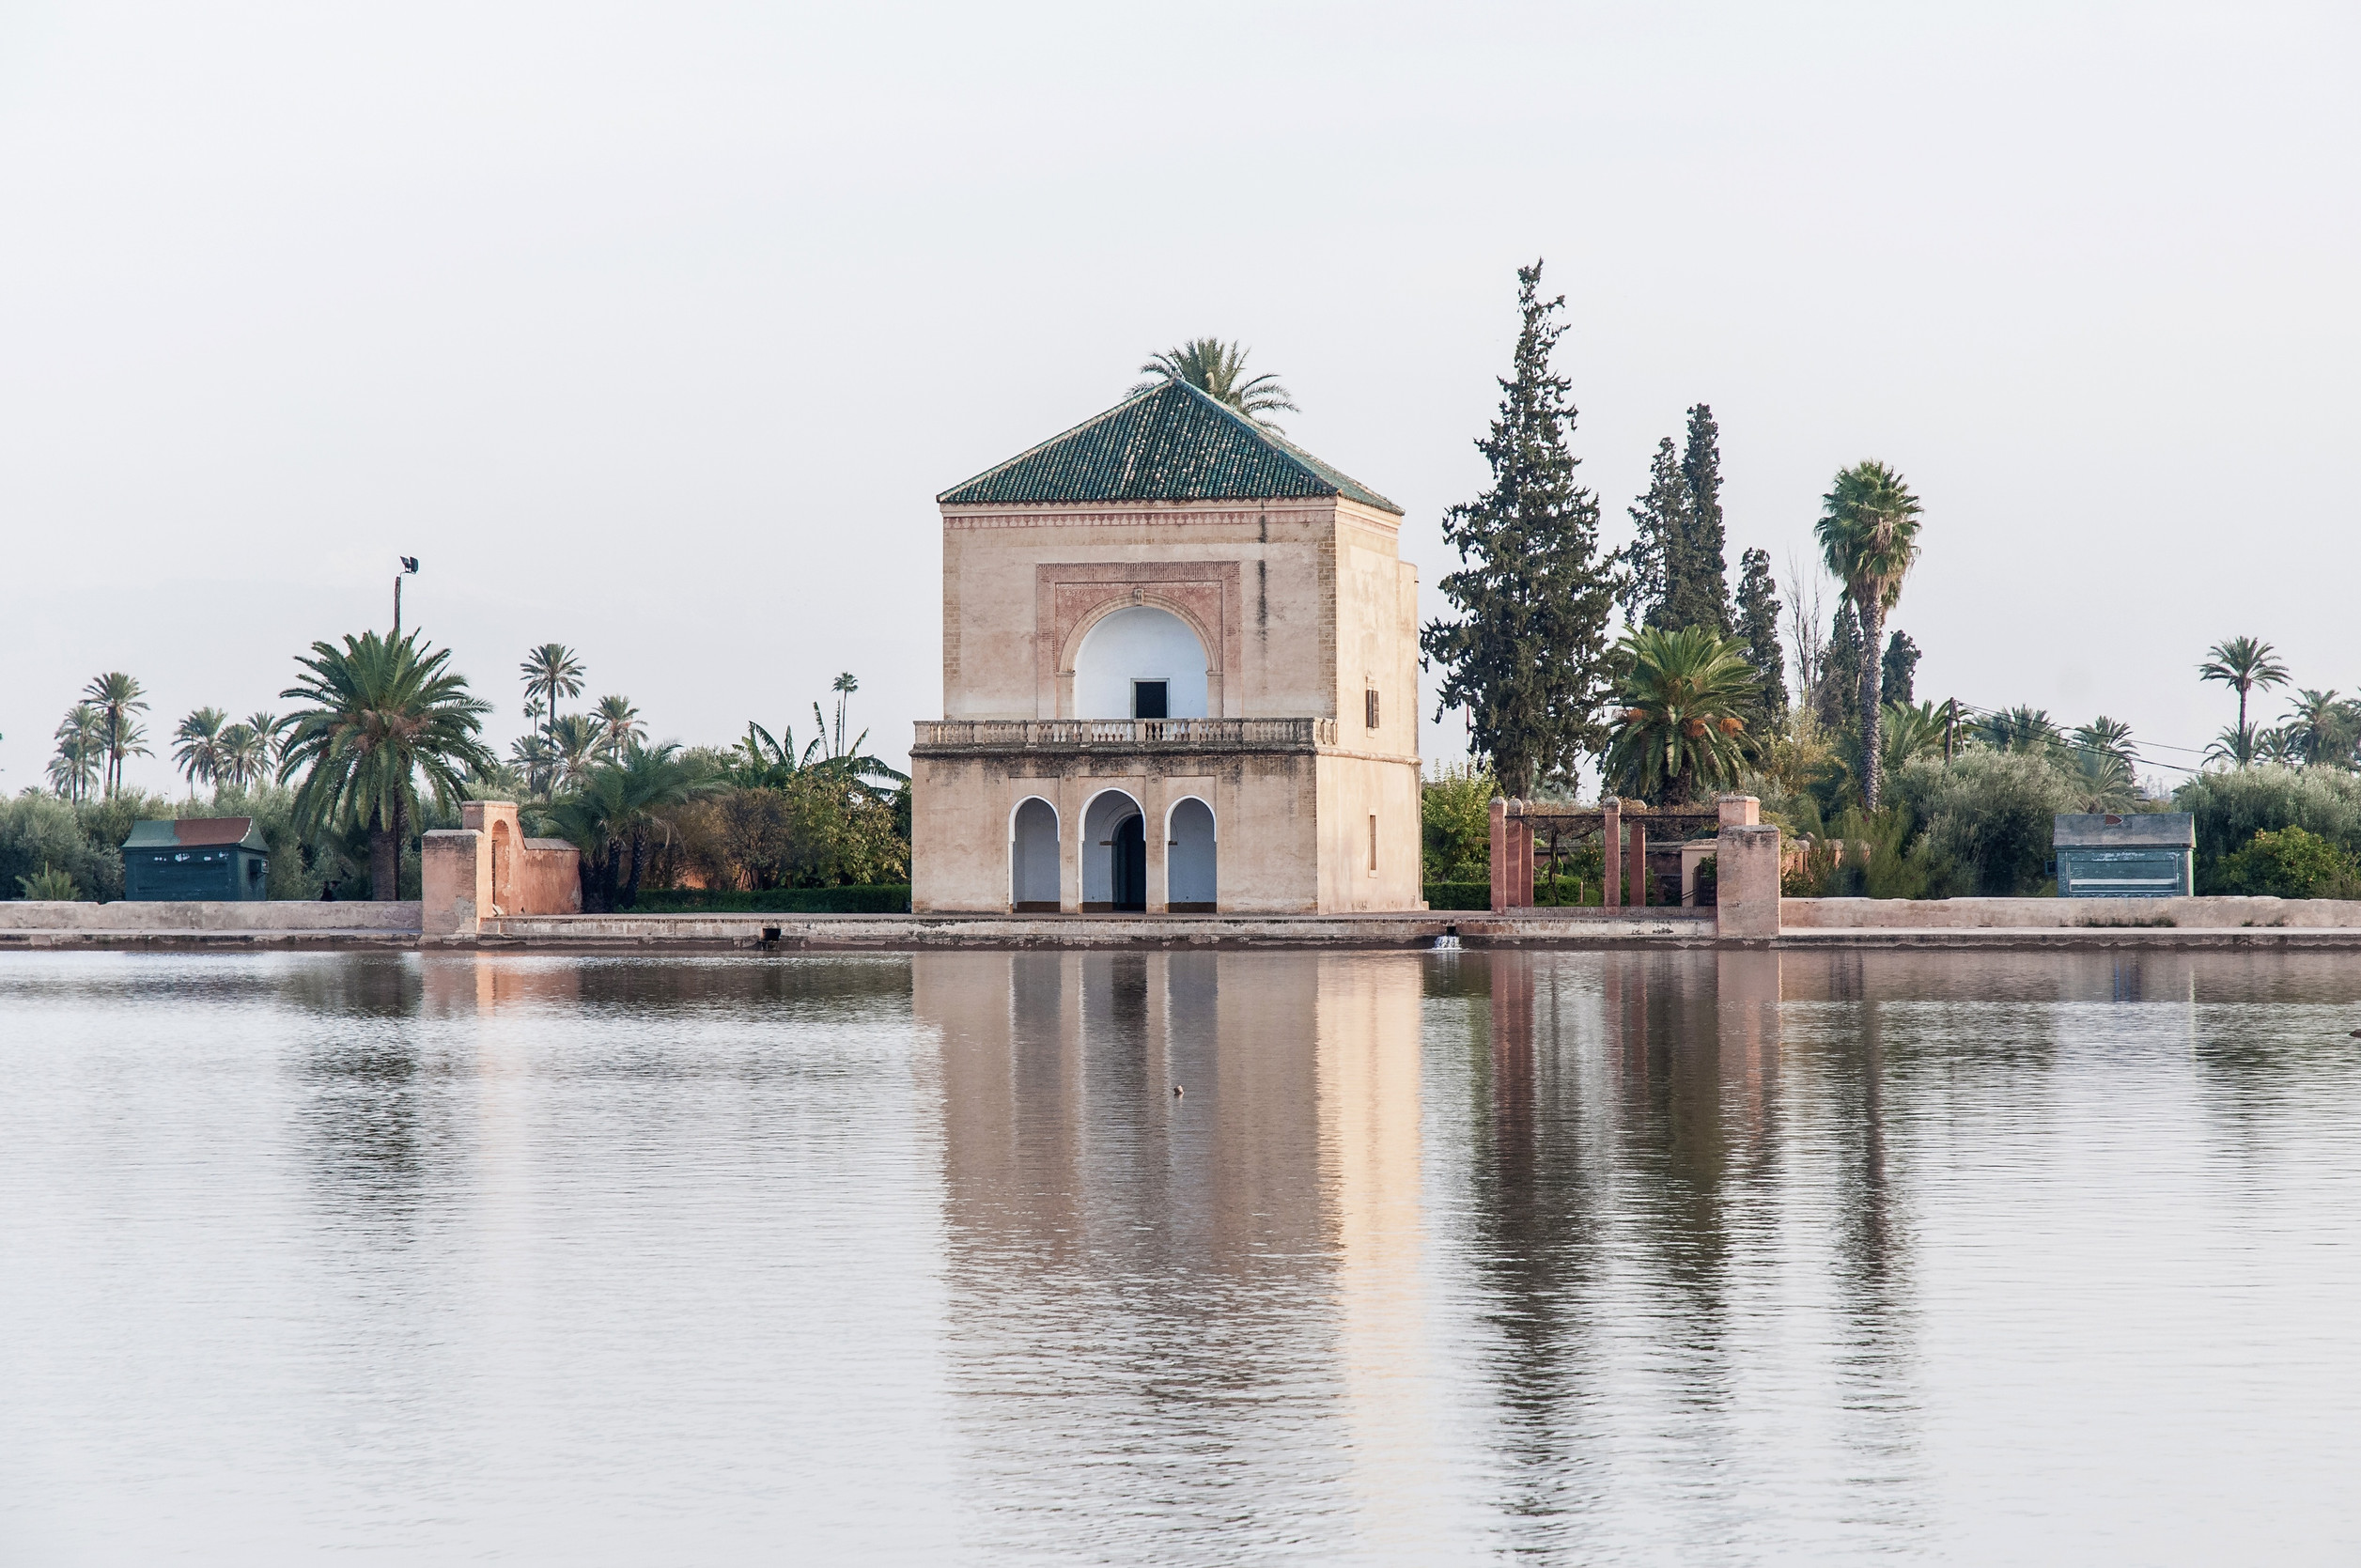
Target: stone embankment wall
1964	915
289	916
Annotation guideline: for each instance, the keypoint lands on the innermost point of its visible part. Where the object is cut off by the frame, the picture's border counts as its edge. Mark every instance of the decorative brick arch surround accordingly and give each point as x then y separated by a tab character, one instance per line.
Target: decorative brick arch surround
1069	599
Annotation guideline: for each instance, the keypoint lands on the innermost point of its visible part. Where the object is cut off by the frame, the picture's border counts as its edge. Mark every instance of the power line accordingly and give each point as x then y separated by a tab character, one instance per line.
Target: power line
2137	755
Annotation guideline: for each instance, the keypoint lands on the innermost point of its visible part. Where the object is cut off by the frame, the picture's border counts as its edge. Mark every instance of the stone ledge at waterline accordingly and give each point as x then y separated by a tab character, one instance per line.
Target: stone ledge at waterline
1566	928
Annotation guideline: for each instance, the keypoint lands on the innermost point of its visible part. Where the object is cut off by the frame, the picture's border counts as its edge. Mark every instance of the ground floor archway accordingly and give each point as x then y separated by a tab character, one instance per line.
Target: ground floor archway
1190	864
1033	856
1114	854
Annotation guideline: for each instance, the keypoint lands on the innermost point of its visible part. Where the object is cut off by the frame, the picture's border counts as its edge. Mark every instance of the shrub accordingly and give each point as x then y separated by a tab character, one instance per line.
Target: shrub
1456	824
2233	805
1880	859
49	884
809	832
41	832
2289	863
1458	896
1987	819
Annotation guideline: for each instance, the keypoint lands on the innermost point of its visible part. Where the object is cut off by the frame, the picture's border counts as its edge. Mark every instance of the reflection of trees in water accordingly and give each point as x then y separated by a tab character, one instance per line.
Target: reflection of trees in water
811	985
1877	1356
1538	1231
1562	1187
353	986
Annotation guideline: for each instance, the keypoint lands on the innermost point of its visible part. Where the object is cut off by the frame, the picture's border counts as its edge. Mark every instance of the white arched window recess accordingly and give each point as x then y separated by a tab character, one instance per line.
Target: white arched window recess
1140	662
1192	881
1033	856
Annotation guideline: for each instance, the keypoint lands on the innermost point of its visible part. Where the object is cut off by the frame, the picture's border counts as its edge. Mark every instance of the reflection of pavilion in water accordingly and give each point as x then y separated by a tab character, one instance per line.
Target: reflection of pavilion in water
1240	1259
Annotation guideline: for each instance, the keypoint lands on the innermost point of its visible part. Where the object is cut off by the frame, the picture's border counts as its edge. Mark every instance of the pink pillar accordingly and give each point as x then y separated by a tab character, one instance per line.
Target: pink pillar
1611	894
1746	865
1638	854
1524	862
1500	854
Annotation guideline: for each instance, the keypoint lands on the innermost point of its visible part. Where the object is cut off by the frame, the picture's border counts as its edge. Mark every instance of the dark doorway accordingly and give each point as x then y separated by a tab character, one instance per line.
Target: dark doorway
1131	863
1150	699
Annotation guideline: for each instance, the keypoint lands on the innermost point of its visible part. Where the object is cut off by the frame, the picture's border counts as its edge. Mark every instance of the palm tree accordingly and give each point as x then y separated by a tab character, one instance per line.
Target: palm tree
2246	663
2276	747
1868	537
1218	369
762	761
551	672
81	749
621	806
2099	781
196	746
573	747
1912	731
1683	691
2111	737
2238	747
843	686
2324	728
118	696
268	725
618	724
246	755
384	713
532	756
2021	729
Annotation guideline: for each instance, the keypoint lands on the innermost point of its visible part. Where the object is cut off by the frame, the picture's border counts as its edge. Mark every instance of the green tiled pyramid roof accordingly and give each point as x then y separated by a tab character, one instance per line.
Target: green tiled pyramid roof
1170	443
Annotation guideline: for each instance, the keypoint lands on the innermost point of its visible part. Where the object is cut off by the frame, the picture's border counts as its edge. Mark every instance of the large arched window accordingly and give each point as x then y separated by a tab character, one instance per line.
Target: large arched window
1140	662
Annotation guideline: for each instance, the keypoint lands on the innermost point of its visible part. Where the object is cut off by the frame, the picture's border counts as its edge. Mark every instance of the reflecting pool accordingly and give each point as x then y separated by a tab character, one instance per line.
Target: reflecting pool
1143	1257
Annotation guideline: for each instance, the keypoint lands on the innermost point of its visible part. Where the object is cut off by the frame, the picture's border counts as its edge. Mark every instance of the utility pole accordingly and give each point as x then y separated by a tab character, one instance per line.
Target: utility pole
1950	728
410	569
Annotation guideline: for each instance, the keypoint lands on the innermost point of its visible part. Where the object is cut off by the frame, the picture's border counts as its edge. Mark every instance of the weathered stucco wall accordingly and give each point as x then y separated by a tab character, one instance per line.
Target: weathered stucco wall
1353	792
282	915
1376	636
1304	609
1264	806
550	883
1855	914
1259	579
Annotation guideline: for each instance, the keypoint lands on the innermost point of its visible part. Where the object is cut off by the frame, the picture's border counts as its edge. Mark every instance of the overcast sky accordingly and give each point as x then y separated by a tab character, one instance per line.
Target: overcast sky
655	330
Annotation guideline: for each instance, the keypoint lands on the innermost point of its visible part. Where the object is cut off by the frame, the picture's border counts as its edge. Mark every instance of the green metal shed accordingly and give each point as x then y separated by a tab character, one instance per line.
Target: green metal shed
196	857
2115	854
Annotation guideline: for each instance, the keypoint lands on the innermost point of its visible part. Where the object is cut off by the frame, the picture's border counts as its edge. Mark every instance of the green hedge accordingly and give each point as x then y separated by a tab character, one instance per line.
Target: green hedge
1478	895
891	899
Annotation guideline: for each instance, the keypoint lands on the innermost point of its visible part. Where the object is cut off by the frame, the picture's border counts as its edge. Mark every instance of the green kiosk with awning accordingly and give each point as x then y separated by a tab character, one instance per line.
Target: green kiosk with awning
196	857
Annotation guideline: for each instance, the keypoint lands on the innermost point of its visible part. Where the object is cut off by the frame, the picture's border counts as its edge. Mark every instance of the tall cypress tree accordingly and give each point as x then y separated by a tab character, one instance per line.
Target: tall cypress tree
1660	530
1758	623
1899	673
1700	584
1838	700
1528	658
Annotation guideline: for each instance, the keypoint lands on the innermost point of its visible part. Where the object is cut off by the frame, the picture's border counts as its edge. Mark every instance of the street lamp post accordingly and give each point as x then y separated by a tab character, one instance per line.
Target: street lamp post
410	569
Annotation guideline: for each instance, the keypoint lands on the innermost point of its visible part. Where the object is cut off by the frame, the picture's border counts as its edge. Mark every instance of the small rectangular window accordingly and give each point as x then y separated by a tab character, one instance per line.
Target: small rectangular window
1148	700
1369	701
1373	843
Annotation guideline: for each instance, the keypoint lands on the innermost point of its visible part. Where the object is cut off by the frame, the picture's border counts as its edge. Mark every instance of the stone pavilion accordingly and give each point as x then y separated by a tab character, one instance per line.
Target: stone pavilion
1180	675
